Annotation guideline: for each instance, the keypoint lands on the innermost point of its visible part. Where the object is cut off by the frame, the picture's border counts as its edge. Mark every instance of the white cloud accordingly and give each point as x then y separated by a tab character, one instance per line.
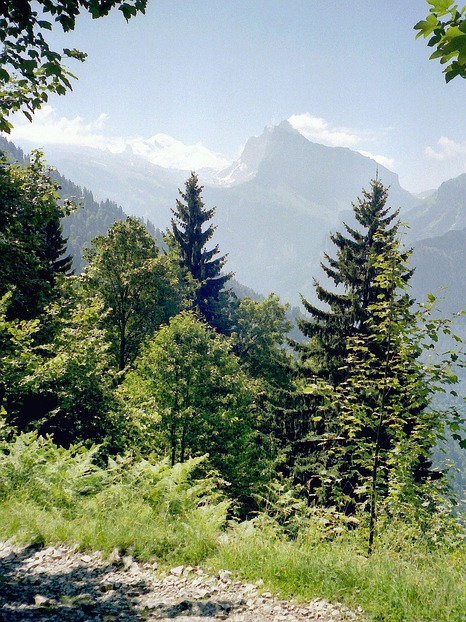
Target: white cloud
447	149
389	163
48	128
166	151
318	129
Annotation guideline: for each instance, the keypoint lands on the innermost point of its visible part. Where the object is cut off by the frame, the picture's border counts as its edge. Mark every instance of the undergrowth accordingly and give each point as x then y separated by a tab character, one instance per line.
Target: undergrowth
49	495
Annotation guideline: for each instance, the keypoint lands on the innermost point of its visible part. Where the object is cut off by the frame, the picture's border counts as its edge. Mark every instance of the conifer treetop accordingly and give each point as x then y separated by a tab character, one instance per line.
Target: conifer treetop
188	232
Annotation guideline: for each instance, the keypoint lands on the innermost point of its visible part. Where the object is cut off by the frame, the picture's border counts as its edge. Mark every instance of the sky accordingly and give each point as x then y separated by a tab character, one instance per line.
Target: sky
189	82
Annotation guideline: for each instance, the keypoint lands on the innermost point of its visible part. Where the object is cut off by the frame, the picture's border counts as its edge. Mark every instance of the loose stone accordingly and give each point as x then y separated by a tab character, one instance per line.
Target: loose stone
58	583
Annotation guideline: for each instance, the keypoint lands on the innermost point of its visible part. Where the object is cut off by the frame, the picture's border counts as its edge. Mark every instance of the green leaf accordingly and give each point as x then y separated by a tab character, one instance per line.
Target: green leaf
434	40
5	126
451	73
128	10
440	7
77	54
52	69
426	26
4	75
452	33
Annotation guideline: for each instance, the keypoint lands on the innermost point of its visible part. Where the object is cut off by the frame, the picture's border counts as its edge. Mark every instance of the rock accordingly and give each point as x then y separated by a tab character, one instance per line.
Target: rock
225	575
41	601
63	585
114	557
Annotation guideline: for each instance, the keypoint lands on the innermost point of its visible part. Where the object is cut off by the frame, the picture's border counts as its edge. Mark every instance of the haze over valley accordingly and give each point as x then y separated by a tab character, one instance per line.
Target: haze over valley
276	205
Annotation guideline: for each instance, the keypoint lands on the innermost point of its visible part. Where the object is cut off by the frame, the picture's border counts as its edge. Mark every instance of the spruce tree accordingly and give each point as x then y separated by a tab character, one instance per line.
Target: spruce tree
351	355
354	273
55	249
190	216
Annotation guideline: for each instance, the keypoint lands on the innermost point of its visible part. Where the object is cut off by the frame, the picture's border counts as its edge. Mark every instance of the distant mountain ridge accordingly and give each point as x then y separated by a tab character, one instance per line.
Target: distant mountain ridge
141	188
442	211
277	204
324	175
276	224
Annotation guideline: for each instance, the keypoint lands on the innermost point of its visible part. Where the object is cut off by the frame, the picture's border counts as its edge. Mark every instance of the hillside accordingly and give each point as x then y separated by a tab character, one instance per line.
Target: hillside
442	211
275	206
440	268
132	425
92	217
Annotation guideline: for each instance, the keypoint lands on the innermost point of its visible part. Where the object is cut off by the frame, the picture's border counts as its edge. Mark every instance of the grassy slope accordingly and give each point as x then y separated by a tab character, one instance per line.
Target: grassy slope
49	495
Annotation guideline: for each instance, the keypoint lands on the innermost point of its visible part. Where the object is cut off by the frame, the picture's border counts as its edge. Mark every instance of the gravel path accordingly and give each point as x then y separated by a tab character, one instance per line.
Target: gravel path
61	584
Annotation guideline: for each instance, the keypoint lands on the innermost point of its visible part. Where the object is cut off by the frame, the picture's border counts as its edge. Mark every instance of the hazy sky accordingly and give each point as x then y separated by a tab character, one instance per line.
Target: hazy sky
211	73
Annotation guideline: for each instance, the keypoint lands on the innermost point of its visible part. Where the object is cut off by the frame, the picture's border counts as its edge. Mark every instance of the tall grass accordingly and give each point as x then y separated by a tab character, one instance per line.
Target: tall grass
414	585
50	495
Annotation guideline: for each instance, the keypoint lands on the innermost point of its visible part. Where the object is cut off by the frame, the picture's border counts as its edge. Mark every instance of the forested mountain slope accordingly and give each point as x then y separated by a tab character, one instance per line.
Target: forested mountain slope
91	218
275	206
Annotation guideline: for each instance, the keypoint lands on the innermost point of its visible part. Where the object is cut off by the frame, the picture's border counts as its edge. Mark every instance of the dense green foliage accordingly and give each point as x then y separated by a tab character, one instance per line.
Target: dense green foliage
342	336
49	495
63	387
139	287
372	429
196	400
327	451
355	272
31	244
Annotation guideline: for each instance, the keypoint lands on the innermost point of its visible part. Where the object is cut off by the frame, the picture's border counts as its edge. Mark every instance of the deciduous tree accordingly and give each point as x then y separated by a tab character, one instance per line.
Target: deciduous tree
189	385
29	69
140	287
32	248
62	388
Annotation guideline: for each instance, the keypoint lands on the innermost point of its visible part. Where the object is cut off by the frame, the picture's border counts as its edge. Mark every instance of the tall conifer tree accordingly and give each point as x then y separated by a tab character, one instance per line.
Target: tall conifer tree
354	272
203	265
371	277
